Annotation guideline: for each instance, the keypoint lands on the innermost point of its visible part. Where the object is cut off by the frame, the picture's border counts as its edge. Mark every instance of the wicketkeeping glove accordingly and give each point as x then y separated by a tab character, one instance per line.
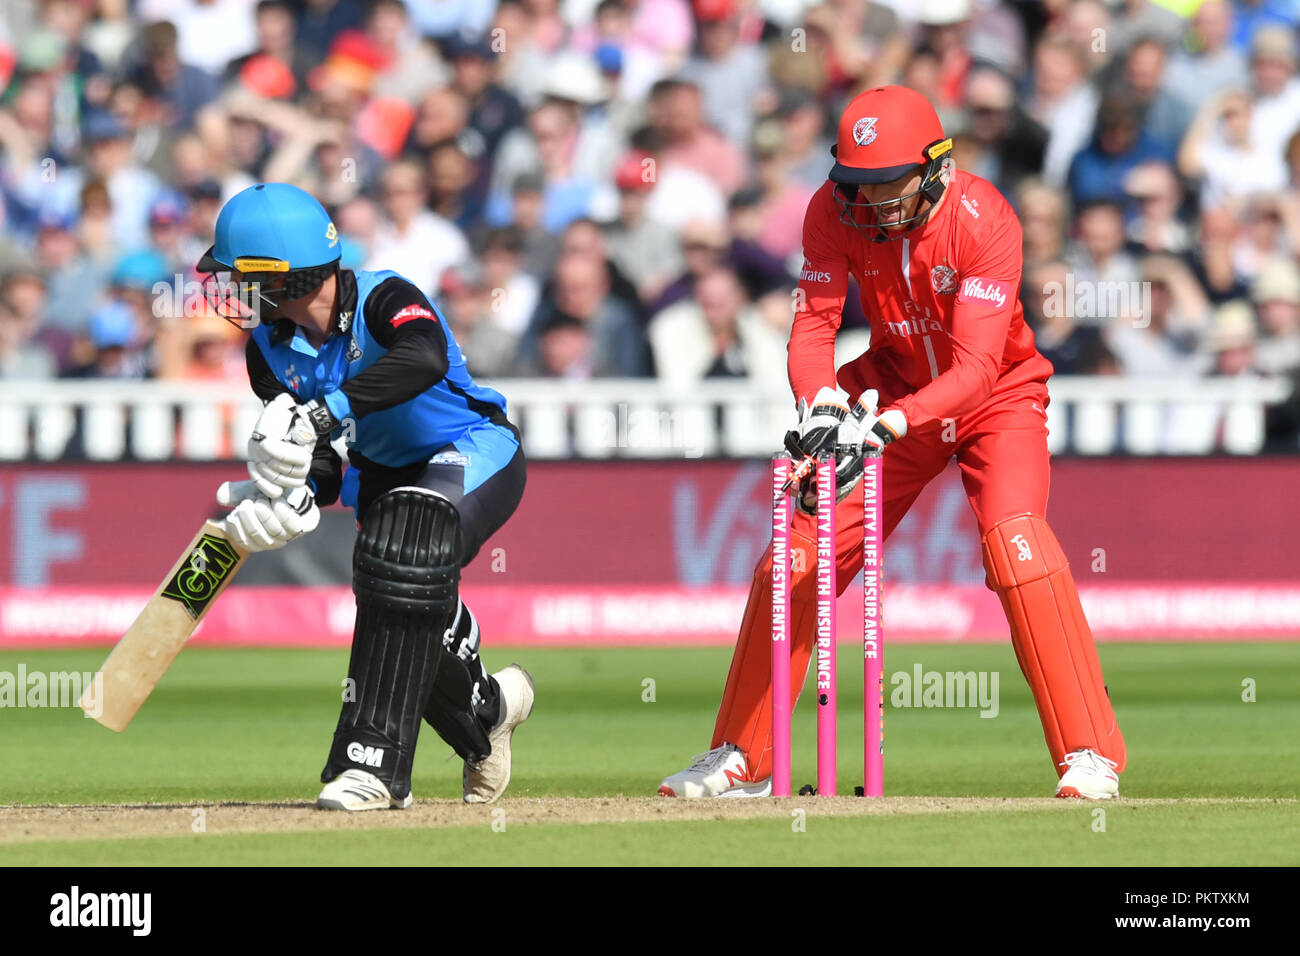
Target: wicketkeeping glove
259	523
817	435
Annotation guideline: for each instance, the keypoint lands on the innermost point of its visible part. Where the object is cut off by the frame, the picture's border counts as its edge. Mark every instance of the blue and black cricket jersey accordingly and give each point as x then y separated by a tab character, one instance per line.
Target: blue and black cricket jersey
395	381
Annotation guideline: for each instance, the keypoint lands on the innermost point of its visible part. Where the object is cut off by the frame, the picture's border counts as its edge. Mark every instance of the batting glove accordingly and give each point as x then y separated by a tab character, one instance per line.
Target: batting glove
281	446
259	523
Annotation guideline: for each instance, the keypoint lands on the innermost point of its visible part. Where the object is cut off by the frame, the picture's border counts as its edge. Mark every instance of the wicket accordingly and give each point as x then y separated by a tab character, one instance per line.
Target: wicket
873	701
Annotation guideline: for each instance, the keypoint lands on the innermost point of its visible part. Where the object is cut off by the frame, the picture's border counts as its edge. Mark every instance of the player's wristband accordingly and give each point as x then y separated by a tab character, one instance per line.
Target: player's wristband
321	417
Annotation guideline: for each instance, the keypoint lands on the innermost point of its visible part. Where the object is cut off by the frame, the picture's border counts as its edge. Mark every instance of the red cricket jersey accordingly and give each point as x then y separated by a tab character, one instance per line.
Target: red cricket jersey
947	327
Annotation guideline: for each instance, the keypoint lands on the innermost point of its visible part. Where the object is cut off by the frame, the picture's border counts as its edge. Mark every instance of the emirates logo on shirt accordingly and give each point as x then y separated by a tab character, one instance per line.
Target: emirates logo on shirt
943	279
983	290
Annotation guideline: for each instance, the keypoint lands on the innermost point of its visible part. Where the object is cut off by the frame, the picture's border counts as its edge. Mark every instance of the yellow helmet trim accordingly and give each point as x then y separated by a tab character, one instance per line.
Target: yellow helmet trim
251	264
938	149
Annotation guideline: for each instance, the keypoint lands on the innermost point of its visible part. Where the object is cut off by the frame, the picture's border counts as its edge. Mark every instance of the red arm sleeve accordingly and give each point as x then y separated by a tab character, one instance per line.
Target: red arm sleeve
819	302
986	301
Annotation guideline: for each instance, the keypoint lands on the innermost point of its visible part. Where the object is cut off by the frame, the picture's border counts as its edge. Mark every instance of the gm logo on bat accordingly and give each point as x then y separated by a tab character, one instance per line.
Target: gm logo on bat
198	581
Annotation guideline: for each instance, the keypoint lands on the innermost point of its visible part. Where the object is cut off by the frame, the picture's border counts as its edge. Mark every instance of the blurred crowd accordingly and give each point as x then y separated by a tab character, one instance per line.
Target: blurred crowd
594	188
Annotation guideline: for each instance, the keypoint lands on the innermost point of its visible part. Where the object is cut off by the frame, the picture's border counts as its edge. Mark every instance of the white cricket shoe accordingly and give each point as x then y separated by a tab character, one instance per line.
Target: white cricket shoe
359	790
721	772
1089	776
484	782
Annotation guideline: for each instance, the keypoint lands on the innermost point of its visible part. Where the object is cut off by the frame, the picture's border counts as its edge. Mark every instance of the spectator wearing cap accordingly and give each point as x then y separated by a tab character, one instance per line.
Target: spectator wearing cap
166	74
1062	101
167	231
207	34
1155	225
676	115
1276	294
515	292
1208	63
729	74
132	283
1008	144
1231	340
646	251
717	334
1118	144
29	349
582	292
131	188
627	63
73	281
116	349
493	110
1276	114
411	239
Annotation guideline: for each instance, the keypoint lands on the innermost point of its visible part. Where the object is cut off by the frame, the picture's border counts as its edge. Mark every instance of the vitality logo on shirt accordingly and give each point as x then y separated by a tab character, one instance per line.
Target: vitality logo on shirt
410	312
983	290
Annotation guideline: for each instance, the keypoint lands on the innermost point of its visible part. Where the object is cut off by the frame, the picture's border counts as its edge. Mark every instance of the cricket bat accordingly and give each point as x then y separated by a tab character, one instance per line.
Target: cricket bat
152	642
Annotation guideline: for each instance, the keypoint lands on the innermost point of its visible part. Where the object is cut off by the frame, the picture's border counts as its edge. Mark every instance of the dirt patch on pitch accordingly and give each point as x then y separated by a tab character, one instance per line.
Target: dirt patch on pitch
30	824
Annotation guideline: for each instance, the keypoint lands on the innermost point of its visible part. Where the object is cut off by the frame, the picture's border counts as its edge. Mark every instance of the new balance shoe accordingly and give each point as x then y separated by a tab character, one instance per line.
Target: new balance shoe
1088	776
720	772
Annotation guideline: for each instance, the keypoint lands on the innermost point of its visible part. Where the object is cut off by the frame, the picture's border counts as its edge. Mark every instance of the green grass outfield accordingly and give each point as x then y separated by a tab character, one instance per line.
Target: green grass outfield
1212	779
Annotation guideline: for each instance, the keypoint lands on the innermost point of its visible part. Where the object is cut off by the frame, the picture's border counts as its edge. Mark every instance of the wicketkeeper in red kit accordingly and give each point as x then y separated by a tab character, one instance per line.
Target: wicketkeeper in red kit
951	370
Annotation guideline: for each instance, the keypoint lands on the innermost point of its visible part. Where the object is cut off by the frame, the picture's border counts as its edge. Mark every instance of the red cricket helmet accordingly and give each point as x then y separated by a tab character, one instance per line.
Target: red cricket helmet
885	134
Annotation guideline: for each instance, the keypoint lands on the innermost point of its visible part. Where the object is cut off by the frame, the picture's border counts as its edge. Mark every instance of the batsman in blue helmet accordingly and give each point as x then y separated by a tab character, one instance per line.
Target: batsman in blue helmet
434	469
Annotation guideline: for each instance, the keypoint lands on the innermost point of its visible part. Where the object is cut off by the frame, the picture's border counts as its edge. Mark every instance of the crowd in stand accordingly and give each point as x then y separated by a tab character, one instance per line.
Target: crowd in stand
615	188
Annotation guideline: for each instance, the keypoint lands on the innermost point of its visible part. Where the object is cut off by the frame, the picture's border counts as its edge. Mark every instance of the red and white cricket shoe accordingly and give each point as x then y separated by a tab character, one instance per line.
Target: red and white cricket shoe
1089	776
720	772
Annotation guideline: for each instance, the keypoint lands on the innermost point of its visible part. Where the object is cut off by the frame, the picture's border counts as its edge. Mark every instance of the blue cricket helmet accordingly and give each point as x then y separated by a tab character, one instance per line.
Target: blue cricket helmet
277	235
272	227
